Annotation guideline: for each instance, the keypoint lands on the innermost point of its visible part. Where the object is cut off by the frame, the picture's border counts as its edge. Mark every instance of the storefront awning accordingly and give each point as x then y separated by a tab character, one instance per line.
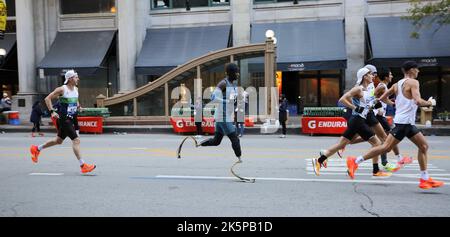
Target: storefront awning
82	51
8	44
165	49
390	43
311	45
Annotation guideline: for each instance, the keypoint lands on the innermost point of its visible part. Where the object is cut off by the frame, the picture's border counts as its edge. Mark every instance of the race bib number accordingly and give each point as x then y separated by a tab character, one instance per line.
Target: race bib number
72	109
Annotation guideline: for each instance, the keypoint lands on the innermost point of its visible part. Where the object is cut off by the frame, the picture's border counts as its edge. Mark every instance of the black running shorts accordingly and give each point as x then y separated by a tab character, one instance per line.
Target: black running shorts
401	131
371	119
358	125
384	123
66	128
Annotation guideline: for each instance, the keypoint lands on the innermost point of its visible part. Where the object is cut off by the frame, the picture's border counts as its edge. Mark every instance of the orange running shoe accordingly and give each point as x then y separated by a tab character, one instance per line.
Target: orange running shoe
34	153
430	183
316	166
381	174
352	166
86	168
404	161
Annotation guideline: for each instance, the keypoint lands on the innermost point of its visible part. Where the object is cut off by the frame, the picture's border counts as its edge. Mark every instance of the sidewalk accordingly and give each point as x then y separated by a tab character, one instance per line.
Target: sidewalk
293	128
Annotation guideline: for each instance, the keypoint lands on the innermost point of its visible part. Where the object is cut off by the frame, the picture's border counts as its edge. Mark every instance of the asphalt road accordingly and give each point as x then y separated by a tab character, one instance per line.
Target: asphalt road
139	175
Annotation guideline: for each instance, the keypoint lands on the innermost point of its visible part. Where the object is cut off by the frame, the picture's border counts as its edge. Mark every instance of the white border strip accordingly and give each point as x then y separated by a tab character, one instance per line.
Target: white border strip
46	174
291	179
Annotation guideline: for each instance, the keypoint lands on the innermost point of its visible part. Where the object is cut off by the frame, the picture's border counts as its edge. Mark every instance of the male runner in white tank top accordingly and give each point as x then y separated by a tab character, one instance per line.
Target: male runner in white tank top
378	125
68	97
407	101
359	99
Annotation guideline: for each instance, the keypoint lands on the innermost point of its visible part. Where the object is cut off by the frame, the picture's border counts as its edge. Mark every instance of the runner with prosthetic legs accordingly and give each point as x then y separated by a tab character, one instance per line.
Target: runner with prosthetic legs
225	96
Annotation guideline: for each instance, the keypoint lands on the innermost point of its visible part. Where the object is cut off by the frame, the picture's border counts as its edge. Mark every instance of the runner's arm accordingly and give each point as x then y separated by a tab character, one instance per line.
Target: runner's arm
48	100
346	99
386	94
415	93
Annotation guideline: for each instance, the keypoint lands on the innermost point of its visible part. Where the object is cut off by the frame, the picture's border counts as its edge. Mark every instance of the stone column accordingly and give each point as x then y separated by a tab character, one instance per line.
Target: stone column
240	18
355	39
241	12
127	45
26	57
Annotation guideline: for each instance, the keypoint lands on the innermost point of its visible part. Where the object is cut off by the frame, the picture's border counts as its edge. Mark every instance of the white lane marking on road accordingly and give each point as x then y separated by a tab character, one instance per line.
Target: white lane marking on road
288	179
138	148
46	174
414	176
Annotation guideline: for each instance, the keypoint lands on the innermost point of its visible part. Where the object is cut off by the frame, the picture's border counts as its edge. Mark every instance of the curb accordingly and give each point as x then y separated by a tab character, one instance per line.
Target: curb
292	130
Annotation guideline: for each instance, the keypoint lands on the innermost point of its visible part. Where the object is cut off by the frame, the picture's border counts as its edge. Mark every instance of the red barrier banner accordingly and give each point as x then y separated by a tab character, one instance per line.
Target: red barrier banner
184	125
90	124
324	125
87	124
249	122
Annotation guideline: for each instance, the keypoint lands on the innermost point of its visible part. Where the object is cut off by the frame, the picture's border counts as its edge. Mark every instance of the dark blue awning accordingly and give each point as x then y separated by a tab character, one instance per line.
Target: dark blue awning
390	43
8	42
311	45
82	51
165	49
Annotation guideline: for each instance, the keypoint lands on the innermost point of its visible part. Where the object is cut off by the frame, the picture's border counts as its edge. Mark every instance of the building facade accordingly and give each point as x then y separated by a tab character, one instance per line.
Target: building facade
118	46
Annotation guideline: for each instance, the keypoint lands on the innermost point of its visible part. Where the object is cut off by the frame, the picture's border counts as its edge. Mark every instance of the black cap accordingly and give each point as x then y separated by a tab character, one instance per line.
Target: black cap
231	68
408	65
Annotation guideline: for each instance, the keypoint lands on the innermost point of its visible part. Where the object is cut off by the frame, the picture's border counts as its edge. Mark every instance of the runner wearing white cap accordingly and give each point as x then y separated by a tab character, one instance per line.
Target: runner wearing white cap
359	99
378	125
407	101
68	98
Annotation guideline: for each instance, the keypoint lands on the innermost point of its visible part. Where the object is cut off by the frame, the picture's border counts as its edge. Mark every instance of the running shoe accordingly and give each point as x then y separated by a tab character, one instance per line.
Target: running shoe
340	152
34	153
86	168
352	166
381	174
389	167
430	183
405	161
316	166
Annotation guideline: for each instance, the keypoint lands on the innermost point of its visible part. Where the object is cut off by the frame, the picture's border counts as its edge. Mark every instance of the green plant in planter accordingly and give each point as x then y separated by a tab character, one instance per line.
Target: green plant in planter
444	115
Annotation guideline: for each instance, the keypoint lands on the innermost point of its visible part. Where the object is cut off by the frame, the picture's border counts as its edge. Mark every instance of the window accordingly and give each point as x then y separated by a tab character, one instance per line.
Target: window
163	4
87	6
329	91
11	7
308	91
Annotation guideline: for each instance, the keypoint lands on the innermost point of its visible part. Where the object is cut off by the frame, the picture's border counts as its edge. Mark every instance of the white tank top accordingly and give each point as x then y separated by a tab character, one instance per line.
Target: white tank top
405	109
364	101
69	100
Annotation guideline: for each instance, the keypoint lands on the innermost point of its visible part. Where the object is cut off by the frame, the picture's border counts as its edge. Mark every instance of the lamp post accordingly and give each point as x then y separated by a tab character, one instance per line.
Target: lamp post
269	68
108	88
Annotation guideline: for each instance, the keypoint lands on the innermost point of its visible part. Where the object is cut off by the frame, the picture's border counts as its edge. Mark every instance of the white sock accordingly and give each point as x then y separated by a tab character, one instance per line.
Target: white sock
359	160
399	157
424	175
81	161
40	147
